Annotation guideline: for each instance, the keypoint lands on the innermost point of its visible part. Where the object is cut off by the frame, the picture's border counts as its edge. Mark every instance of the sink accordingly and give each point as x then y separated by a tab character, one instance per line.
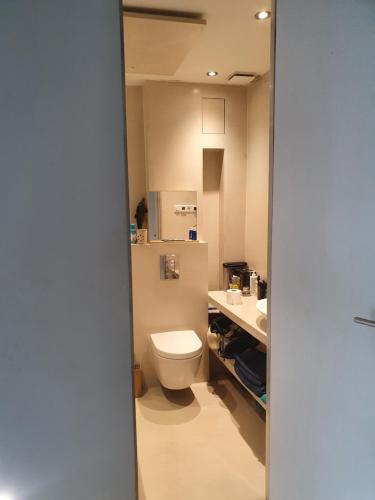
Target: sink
262	306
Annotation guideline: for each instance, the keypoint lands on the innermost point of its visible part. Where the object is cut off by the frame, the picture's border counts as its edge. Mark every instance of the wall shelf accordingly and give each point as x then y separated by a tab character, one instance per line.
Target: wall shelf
246	315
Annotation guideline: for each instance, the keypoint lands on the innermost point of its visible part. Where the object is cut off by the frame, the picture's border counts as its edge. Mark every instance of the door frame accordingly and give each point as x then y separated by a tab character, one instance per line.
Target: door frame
269	246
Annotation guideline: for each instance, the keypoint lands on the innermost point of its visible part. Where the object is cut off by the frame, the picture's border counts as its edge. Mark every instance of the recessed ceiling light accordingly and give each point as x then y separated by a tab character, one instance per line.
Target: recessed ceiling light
262	15
212	73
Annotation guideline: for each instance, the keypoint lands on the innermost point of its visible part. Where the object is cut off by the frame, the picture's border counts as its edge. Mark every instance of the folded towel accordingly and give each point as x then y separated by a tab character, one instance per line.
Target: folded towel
259	390
250	376
253	362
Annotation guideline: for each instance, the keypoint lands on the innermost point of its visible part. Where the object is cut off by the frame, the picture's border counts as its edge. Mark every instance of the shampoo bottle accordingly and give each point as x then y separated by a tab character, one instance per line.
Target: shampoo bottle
253	283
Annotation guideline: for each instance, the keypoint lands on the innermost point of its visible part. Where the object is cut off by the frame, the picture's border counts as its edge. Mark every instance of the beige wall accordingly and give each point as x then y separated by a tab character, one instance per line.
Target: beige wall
174	145
233	180
172	130
136	147
173	225
174	150
258	124
230	173
210	228
160	305
232	198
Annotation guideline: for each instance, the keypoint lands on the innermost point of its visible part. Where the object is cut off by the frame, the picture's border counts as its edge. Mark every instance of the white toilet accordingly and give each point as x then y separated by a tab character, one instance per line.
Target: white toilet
177	355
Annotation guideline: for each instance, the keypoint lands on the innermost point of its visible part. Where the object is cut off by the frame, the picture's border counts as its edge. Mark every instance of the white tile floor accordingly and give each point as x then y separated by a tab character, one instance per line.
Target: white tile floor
204	443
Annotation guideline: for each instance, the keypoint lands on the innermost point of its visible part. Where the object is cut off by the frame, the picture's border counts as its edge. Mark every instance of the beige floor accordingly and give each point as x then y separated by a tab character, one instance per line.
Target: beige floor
207	442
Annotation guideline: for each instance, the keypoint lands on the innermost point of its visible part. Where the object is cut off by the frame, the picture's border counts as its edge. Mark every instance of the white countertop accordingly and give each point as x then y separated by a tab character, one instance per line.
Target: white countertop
246	315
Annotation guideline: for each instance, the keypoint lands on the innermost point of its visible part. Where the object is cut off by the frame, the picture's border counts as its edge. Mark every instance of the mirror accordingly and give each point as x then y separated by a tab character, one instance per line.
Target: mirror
172	215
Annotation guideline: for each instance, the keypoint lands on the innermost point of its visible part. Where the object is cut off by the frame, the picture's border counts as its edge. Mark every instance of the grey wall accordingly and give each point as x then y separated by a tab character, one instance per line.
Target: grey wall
66	417
322	409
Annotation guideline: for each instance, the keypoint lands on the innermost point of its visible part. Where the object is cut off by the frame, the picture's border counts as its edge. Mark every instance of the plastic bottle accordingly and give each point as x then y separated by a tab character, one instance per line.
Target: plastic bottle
253	283
137	381
133	234
193	233
245	281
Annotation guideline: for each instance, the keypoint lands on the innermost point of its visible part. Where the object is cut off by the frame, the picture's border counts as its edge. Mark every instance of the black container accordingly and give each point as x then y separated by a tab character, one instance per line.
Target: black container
231	268
262	289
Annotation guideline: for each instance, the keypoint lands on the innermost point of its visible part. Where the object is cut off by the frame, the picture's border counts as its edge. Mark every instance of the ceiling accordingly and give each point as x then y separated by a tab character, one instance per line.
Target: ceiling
232	40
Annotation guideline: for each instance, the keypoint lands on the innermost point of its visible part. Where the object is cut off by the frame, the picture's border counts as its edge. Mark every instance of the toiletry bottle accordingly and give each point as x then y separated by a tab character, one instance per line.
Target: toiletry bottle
137	381
253	283
193	233
262	290
245	281
133	234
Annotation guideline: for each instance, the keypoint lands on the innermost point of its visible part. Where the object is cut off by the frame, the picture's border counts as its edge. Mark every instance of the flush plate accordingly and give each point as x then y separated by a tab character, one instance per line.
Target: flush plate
169	268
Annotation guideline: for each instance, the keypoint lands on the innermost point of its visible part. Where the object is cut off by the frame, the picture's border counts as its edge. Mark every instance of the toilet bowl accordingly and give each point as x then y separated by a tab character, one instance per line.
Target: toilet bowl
176	355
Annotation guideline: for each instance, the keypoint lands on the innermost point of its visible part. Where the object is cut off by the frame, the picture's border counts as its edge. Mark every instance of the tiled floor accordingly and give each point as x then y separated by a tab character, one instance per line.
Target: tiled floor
204	443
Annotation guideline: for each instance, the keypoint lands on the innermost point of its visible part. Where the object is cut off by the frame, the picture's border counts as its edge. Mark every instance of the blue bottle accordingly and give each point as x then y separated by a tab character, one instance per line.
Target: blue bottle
133	234
193	233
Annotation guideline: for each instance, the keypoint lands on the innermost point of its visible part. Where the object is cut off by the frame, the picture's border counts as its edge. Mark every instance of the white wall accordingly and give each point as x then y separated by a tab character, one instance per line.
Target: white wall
135	147
66	419
162	305
322	414
258	133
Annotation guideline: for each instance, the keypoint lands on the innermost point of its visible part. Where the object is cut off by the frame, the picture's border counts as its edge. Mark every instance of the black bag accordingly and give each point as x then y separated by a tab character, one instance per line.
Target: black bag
236	343
233	339
222	325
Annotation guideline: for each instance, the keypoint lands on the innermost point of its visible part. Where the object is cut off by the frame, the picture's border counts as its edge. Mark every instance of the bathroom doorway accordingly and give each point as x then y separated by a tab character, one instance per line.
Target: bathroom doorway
197	79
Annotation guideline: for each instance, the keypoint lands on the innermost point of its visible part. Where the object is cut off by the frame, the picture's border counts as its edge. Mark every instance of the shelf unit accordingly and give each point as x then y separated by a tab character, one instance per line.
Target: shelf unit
229	365
247	316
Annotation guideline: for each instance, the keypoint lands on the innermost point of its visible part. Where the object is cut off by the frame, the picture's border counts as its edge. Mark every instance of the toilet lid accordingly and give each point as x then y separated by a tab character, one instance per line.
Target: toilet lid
182	344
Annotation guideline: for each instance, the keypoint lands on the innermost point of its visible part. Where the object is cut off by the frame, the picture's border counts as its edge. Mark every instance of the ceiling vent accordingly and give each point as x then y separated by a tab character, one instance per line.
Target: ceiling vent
241	77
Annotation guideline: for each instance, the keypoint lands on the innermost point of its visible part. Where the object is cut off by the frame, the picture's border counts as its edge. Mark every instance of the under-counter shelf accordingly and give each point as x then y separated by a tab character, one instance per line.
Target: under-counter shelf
229	365
246	315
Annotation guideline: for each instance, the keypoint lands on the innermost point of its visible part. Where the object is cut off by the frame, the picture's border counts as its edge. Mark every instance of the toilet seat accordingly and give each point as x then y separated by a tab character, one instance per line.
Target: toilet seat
182	344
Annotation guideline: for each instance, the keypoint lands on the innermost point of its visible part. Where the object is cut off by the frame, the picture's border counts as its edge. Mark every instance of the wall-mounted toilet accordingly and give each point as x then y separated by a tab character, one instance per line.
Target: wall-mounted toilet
177	355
